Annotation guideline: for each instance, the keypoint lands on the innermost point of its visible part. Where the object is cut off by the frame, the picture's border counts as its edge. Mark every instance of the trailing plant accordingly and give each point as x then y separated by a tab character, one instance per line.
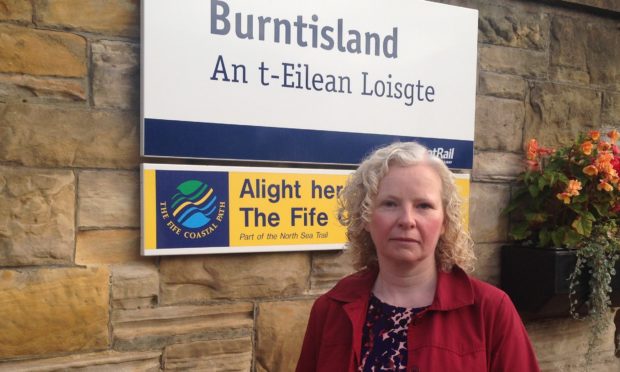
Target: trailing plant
570	198
596	260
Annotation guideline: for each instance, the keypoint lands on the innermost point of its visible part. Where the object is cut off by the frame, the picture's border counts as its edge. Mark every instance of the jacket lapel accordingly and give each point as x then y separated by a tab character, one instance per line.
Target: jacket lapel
454	290
354	293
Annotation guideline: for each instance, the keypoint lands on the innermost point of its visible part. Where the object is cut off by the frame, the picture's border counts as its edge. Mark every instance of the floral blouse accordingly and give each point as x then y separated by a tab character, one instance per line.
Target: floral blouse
384	341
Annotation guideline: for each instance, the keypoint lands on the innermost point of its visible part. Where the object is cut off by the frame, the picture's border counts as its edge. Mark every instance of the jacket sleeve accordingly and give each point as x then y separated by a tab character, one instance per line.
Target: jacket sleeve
510	348
309	349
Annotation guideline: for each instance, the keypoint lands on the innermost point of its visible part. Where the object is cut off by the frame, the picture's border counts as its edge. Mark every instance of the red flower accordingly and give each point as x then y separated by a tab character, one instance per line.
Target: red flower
615	163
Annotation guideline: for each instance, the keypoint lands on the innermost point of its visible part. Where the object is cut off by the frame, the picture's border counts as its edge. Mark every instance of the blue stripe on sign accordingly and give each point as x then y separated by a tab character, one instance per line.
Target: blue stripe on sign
183	139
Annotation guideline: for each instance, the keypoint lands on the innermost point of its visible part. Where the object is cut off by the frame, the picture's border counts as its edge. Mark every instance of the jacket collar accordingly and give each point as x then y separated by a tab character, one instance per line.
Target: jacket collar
454	289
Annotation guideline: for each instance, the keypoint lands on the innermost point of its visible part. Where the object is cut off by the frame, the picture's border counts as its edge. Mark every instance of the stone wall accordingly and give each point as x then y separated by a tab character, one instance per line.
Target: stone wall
74	291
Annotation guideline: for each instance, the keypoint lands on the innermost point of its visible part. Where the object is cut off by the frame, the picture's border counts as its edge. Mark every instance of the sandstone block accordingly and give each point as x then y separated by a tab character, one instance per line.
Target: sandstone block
513	28
278	342
95	247
54	136
234	355
37	216
513	61
148	329
585	52
486	201
328	268
612	5
199	279
38	52
611	110
17	88
109	199
488	263
556	114
134	285
49	311
497	166
114	17
15	10
499	124
102	361
560	345
116	75
501	86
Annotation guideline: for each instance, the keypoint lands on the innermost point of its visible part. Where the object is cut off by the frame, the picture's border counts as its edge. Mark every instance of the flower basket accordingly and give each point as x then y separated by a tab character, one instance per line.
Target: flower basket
537	281
570	198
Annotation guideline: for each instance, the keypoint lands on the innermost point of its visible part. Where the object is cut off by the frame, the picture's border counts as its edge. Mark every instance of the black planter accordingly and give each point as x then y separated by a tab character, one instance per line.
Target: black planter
536	279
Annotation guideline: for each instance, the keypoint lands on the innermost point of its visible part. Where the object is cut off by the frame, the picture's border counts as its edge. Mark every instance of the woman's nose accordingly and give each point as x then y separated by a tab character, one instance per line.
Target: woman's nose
407	218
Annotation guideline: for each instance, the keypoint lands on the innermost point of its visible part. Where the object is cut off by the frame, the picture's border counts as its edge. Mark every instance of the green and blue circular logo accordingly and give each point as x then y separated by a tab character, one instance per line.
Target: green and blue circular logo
194	205
192	209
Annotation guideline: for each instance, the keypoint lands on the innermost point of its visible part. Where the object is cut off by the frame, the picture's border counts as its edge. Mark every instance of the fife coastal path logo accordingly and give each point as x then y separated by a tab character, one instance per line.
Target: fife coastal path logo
194	212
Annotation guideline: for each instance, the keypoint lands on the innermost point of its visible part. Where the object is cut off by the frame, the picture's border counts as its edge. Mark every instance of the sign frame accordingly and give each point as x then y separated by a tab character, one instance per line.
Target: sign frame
279	124
149	210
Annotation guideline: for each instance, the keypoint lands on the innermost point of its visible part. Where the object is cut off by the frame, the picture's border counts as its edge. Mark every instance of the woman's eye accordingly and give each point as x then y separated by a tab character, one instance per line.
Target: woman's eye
388	203
425	206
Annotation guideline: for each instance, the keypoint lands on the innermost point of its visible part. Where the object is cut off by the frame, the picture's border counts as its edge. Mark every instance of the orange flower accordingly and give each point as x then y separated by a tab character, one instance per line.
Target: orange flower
564	197
590	170
573	187
532	149
594	134
603	185
586	147
603	162
605	168
603	146
613	136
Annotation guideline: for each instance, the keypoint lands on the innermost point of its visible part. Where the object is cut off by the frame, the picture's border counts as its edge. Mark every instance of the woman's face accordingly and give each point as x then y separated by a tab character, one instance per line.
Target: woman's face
407	216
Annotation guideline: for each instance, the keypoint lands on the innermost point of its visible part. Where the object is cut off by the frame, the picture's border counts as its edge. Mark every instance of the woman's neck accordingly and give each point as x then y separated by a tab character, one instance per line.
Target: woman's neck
410	289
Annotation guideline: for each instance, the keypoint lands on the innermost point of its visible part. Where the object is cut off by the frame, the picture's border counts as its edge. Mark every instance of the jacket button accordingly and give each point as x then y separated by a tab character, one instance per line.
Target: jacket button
415	369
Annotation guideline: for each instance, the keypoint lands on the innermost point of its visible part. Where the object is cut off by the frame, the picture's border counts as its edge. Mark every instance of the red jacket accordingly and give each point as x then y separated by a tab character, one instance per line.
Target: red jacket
471	326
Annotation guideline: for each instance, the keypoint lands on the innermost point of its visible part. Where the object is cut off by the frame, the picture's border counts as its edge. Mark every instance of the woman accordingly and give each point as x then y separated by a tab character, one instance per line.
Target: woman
411	307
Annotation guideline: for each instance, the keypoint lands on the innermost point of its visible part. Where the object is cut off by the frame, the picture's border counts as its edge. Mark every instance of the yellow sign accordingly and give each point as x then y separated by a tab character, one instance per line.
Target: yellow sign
285	208
202	209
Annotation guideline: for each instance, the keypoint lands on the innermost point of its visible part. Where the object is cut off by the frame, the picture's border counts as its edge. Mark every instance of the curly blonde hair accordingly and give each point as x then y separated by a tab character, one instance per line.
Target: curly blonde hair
454	247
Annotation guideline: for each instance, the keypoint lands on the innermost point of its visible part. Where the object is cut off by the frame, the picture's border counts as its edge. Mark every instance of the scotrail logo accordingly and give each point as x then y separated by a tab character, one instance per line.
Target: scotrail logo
447	155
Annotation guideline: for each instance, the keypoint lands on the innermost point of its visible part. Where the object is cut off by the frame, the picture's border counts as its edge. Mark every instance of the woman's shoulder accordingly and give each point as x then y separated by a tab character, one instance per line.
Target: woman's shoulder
488	294
353	286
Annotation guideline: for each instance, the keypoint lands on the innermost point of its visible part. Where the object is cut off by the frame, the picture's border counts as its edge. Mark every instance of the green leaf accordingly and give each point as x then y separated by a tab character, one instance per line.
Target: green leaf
534	191
583	225
552	178
514	204
571	238
557	236
577	208
601	208
542	182
544	237
536	218
562	178
520	231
